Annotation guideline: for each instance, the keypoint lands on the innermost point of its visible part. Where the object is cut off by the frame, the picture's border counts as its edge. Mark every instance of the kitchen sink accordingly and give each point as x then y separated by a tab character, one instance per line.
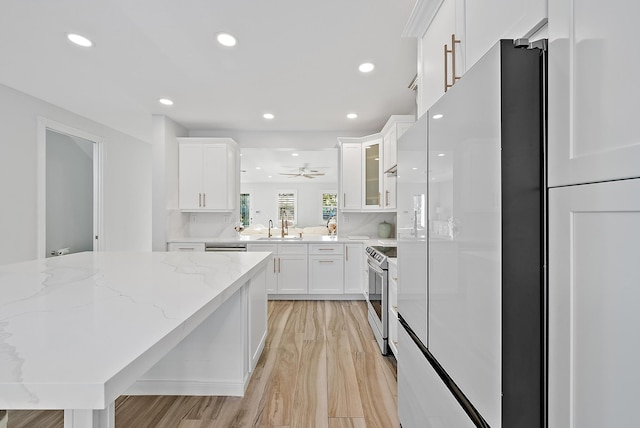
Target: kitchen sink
278	238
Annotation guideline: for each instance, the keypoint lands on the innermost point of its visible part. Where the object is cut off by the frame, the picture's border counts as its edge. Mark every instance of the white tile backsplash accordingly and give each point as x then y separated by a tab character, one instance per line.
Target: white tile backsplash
364	224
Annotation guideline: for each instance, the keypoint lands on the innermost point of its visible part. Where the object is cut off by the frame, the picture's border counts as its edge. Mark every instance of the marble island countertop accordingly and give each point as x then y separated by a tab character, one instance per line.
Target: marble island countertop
76	330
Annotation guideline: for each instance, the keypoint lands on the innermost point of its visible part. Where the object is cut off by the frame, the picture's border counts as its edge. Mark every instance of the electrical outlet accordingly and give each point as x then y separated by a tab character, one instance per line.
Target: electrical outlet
226	218
194	219
345	219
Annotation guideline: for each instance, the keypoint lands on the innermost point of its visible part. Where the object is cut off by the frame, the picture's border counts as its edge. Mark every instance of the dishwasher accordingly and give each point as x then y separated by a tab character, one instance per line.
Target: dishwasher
225	246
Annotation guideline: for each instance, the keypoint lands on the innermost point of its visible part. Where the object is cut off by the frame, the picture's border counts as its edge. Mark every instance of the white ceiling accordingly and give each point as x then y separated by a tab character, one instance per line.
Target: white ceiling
273	162
297	59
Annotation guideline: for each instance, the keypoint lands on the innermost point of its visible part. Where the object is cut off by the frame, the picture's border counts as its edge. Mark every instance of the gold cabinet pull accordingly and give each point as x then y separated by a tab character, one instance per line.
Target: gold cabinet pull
274	265
386	198
451	51
346	248
344	200
199	200
204	200
278	264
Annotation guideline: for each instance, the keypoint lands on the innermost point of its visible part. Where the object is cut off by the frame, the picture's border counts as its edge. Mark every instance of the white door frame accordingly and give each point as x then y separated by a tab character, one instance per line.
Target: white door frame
47	124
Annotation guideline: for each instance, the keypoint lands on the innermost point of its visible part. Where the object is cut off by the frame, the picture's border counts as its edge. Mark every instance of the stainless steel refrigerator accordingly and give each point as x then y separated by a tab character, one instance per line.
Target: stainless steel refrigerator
471	249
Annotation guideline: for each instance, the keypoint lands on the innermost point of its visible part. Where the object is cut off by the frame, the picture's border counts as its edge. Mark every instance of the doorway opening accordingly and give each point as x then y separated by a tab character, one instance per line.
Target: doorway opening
68	190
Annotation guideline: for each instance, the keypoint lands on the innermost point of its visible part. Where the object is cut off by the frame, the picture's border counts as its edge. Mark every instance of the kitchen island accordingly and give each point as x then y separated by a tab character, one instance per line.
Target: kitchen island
77	331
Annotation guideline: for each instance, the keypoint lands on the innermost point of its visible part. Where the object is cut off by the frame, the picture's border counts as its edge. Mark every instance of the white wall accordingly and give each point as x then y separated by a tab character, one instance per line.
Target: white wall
126	178
168	222
264	201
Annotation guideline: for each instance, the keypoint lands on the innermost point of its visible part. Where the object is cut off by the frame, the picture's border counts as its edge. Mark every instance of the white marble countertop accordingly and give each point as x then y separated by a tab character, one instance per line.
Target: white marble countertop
309	239
77	330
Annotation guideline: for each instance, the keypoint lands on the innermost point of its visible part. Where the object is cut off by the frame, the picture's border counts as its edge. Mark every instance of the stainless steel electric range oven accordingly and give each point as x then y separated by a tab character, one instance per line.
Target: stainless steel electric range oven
377	293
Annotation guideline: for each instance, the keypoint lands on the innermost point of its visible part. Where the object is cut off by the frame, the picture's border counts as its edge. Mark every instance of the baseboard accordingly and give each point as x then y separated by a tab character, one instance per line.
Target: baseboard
178	387
356	296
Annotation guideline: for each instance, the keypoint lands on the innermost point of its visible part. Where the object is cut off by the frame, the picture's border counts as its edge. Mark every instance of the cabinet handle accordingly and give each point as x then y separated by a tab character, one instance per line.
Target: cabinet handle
386	198
451	51
278	264
344	200
274	265
346	249
204	200
199	200
325	249
325	261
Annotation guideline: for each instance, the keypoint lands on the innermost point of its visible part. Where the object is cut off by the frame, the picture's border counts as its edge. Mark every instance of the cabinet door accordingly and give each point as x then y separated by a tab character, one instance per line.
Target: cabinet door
390	193
191	176
351	176
593	132
389	158
326	275
594	231
272	267
292	274
216	179
373	174
431	56
353	268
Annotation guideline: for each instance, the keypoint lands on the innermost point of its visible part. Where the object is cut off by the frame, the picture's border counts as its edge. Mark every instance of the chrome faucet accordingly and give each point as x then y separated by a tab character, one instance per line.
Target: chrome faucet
270	226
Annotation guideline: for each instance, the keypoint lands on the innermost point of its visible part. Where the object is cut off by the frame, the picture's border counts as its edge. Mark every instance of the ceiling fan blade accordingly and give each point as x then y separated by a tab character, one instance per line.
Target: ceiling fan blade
293	175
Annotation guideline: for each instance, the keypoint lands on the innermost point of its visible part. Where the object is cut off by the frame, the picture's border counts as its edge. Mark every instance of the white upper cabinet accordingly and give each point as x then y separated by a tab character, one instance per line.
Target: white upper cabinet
475	26
372	174
431	56
593	135
351	175
367	167
208	174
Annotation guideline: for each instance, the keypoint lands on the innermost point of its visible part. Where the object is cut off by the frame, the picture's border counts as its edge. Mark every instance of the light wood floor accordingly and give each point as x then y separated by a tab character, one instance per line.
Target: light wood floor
321	368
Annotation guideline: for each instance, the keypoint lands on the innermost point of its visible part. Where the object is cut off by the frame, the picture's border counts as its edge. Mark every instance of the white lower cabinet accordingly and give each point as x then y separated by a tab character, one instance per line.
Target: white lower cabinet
594	231
354	267
287	272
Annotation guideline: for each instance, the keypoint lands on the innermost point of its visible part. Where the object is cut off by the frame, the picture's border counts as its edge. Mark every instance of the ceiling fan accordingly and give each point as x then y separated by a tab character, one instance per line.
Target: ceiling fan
305	172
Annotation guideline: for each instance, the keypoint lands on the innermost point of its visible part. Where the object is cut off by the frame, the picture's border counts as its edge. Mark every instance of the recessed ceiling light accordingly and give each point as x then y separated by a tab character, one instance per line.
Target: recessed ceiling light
352	116
258	167
268	116
294	154
437	116
226	39
269	176
165	101
414	168
366	67
79	40
440	155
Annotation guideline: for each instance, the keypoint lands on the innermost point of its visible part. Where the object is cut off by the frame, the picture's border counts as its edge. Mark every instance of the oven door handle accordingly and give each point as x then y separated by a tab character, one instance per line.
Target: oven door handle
375	268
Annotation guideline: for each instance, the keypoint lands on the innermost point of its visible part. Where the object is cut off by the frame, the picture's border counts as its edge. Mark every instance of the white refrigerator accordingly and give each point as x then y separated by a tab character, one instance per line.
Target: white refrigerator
471	250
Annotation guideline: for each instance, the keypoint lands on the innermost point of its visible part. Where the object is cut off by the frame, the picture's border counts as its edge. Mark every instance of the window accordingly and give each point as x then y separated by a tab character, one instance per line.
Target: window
245	209
287	206
329	205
